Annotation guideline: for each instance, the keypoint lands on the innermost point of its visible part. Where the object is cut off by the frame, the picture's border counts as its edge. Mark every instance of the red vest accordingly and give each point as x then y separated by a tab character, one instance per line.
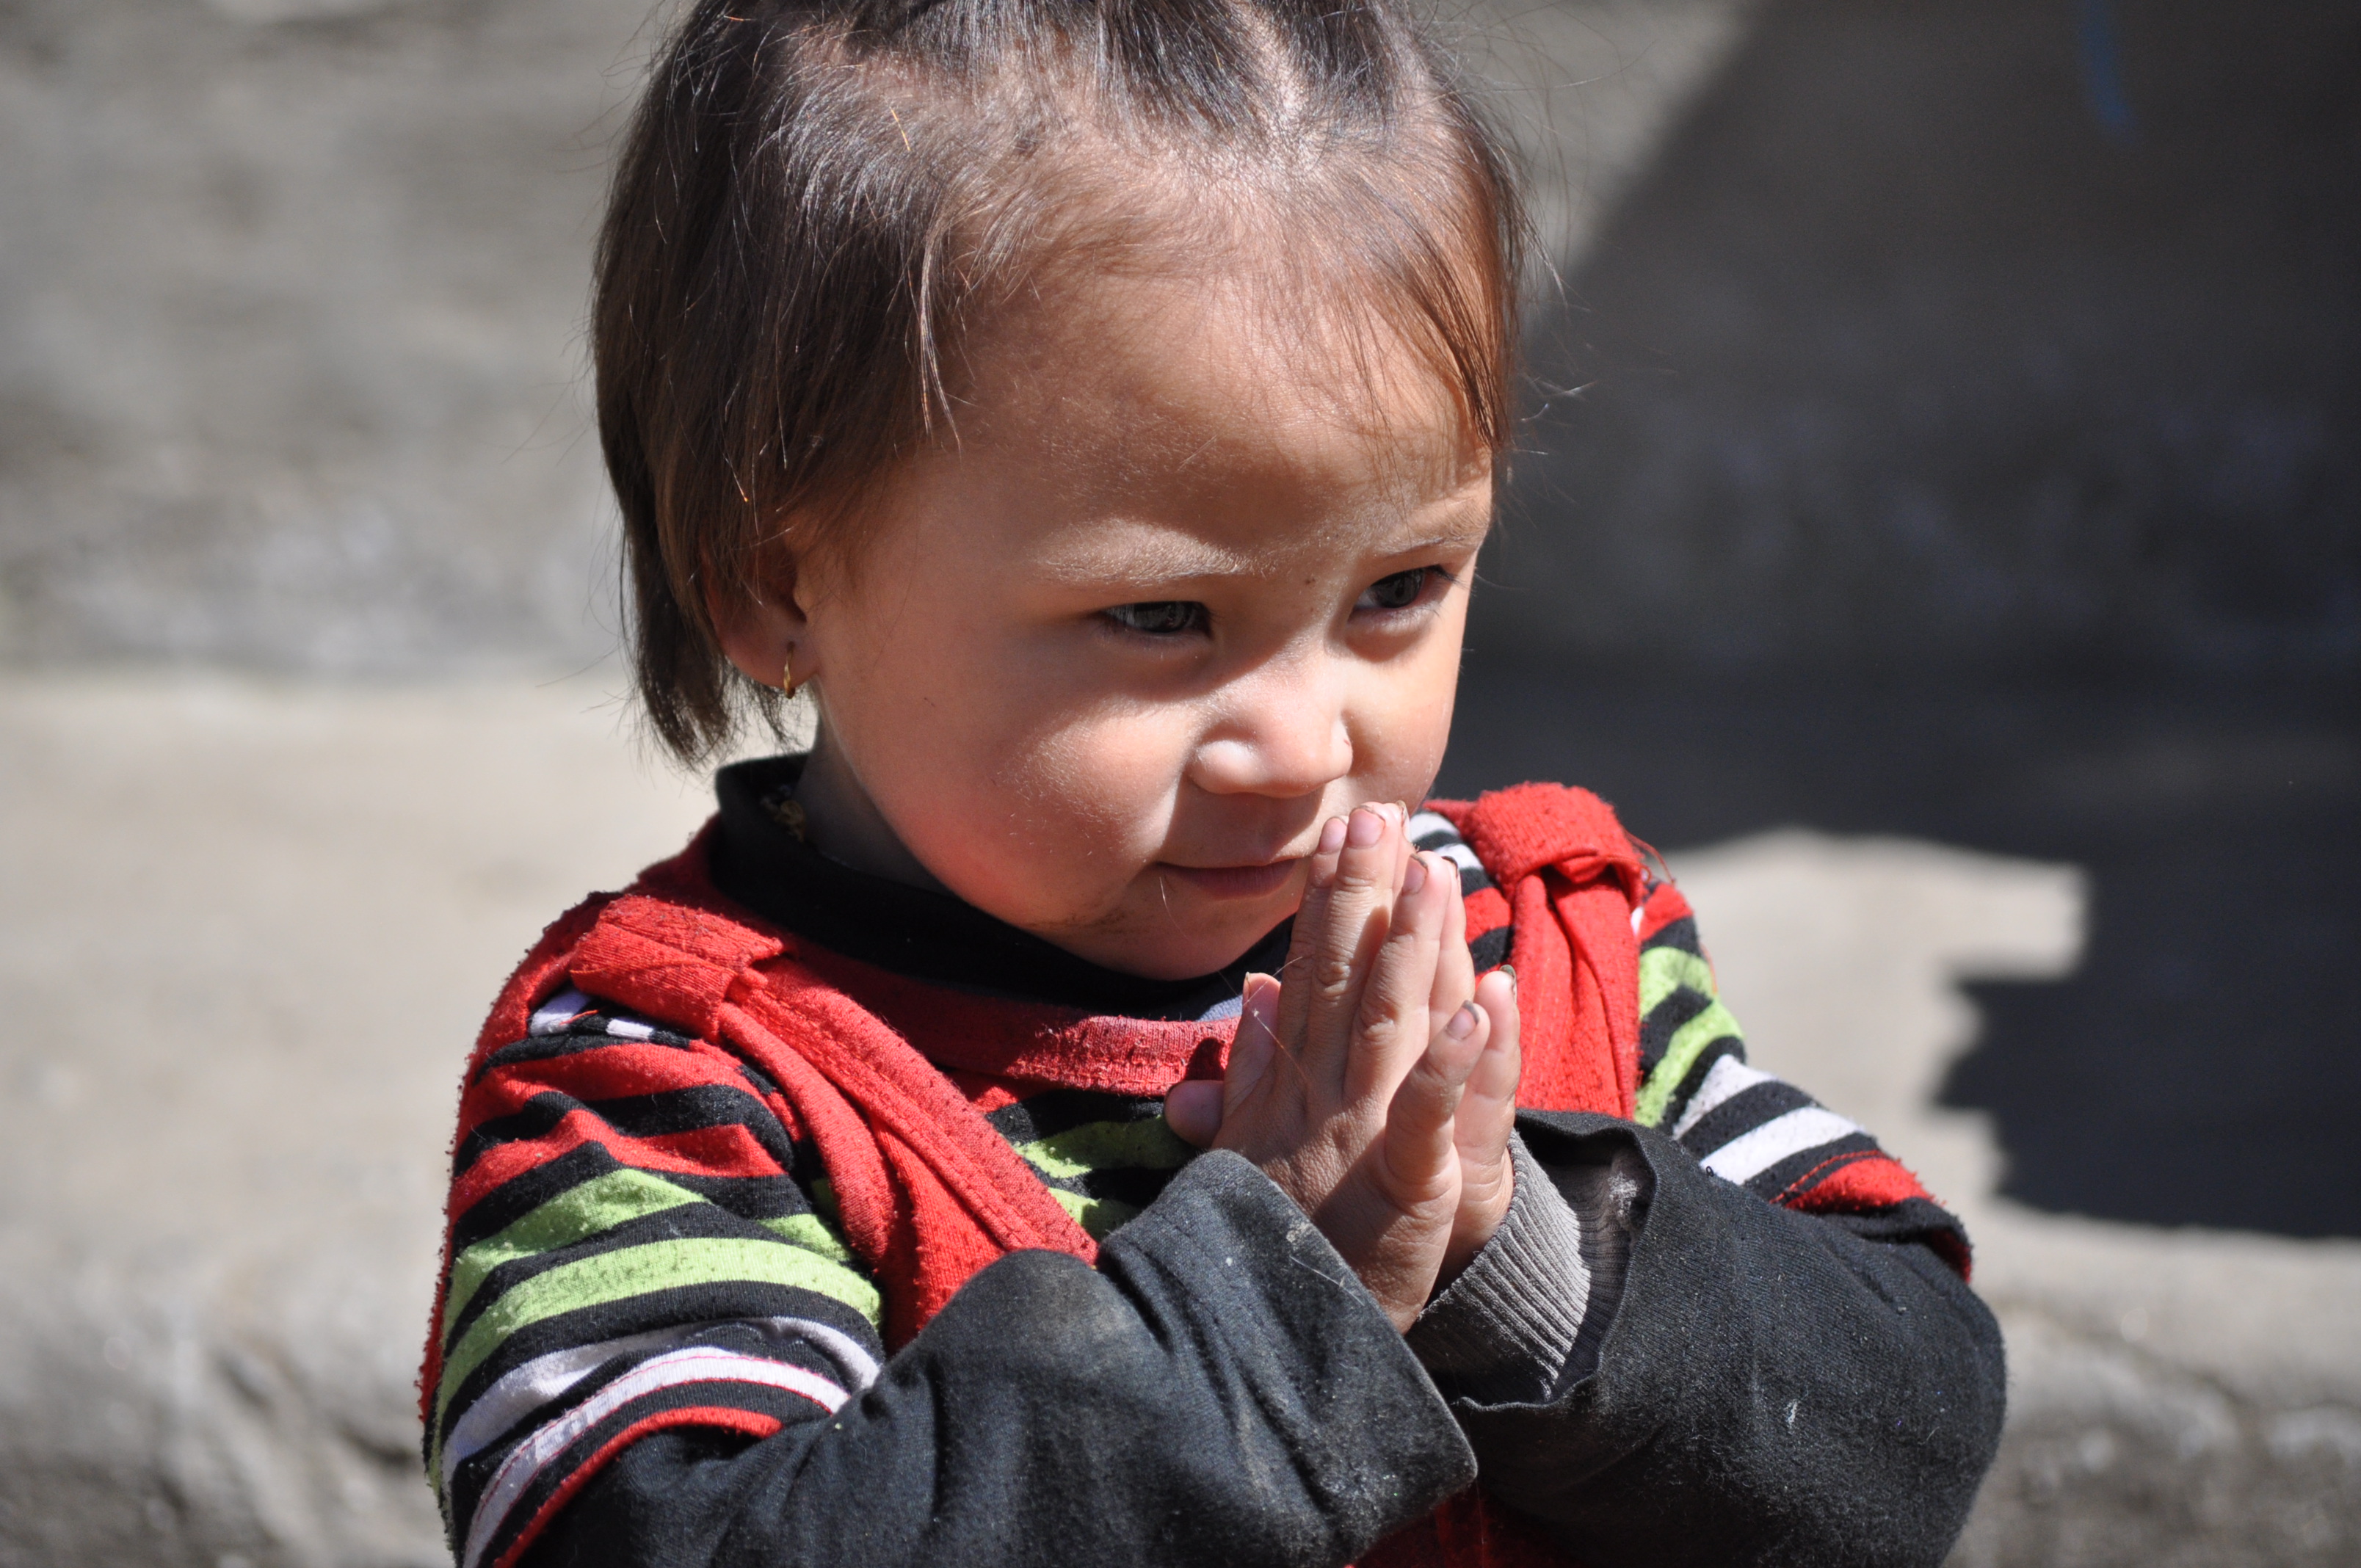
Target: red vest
929	1192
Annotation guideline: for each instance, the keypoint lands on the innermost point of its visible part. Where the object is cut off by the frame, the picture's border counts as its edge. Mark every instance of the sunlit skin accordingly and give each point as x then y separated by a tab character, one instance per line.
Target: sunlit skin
1173	597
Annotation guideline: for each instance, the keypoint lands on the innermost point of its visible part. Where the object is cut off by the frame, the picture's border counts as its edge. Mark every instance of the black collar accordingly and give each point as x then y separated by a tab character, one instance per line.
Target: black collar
766	866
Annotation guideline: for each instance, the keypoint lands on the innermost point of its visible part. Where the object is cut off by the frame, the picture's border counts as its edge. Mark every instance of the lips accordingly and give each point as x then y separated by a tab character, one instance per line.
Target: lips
1236	881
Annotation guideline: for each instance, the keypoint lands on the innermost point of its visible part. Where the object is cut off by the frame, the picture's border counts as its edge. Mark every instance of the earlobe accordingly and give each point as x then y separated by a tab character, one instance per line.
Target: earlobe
760	636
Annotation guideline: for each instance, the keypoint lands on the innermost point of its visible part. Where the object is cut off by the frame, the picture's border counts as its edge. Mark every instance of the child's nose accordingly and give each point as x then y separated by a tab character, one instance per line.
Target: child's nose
1287	742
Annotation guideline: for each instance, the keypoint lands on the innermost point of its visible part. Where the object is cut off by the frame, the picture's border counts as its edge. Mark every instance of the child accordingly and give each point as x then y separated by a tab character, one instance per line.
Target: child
1093	405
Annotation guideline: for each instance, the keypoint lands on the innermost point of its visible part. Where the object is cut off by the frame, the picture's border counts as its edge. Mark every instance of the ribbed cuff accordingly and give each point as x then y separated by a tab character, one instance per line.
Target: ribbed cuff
1503	1332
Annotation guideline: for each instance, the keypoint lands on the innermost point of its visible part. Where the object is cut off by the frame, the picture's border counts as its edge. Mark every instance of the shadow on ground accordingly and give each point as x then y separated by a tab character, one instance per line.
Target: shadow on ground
2197	1068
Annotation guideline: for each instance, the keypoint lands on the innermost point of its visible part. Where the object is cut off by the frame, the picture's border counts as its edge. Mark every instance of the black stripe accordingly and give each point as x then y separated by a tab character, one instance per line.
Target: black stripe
687	1222
740	1338
1137	1185
520	1195
1788	1172
780	1404
1490	950
534	1118
571	1041
1681	933
1447	837
1913	1219
705	1303
684	1110
1694	1079
749	1197
1664	1020
692	1108
1742	1112
1058	1111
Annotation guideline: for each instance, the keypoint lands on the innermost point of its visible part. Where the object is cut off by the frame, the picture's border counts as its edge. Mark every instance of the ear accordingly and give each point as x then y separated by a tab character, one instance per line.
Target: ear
762	636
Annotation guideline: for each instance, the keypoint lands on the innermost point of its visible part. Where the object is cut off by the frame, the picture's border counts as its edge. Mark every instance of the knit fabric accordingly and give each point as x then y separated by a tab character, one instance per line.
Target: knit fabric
1505	1331
709	1176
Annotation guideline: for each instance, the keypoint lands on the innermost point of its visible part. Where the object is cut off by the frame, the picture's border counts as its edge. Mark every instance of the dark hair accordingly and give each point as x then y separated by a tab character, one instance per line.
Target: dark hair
819	199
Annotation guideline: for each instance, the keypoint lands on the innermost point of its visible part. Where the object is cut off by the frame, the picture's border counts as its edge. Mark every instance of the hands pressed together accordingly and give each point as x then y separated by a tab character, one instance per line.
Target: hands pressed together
1377	1083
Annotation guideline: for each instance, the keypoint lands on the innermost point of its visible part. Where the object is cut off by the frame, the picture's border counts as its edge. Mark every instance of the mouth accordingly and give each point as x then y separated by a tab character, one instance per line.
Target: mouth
1236	881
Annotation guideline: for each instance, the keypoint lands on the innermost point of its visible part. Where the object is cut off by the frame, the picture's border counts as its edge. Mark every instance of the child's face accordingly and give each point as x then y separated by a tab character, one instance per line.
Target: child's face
1184	587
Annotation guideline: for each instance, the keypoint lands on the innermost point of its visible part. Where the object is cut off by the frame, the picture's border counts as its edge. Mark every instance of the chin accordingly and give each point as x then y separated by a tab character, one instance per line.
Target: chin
1211	942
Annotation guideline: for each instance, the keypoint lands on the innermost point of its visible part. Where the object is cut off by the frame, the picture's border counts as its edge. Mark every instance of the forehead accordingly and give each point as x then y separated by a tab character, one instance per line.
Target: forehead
1262	410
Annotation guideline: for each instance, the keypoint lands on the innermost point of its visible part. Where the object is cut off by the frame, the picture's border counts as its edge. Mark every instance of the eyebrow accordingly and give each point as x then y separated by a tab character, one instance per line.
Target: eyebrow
1162	558
1146	554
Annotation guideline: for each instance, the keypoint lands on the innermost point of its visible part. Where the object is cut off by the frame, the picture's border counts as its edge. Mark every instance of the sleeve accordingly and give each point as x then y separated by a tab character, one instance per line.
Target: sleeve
1219	1389
1698	1340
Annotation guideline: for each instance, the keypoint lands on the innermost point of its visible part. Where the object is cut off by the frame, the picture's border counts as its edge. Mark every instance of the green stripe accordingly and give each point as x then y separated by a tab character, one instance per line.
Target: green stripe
1663	970
1097	1216
632	1271
590	1209
1149	1145
813	1235
1681	1054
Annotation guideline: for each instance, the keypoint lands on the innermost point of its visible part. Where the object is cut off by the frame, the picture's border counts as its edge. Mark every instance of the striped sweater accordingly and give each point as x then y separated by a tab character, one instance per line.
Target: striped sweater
643	1242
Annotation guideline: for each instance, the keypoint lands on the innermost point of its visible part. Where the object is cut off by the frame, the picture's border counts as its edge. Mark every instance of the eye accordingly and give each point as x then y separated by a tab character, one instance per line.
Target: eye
1399	591
1159	618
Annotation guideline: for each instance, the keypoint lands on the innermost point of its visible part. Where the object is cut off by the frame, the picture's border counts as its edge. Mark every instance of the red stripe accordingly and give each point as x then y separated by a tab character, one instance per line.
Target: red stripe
1867	1182
614	1071
753	1423
1487	910
725	1150
1863	1179
1665	906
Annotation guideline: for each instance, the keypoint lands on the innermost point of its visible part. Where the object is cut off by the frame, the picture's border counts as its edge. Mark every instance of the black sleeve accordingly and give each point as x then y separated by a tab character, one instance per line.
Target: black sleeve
1220	1389
1757	1386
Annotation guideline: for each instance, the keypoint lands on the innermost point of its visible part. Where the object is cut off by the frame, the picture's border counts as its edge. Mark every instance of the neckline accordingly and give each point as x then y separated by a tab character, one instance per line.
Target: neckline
764	863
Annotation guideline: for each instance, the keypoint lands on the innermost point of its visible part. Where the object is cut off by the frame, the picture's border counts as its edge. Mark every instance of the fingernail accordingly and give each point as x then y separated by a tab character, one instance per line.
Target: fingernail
1332	835
1511	970
1366	829
1463	1022
1414	874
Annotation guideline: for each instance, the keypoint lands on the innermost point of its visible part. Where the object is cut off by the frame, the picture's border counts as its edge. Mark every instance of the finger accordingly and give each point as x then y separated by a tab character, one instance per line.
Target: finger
1487	1106
1419	1161
1481	1130
1396	1022
1193	1108
1359	905
1311	929
1454	968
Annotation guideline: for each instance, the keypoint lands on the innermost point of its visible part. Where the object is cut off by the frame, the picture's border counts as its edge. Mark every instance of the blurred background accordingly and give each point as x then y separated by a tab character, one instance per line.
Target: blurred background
1938	529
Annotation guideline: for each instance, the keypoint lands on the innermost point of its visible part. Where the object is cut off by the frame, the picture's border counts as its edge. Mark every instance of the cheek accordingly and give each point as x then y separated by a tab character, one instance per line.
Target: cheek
1093	789
1037	819
1404	731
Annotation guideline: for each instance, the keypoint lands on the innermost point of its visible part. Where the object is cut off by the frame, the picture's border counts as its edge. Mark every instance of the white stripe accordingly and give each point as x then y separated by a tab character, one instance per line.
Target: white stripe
1743	1158
547	1377
625	1028
1638	910
1425	822
552	1017
1728	1077
1460	855
701	1364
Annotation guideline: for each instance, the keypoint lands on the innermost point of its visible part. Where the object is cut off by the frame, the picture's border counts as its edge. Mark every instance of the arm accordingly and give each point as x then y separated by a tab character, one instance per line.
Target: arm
1745	1384
1221	1390
656	1349
1662	1357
